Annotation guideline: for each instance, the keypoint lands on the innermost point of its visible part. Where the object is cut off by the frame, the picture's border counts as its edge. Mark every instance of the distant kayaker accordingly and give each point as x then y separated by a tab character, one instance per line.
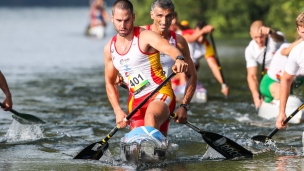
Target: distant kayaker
200	47
134	54
294	63
99	18
254	54
8	97
162	13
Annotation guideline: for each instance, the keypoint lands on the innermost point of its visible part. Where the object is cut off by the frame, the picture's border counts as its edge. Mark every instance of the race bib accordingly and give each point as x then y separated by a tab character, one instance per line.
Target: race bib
137	82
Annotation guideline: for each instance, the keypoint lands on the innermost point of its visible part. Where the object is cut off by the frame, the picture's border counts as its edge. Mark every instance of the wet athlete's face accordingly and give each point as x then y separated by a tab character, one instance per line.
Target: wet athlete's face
123	21
300	30
258	37
162	18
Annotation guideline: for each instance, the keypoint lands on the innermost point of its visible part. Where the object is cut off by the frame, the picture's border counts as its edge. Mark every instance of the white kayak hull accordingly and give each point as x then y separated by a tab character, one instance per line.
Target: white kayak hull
97	31
271	110
200	95
146	145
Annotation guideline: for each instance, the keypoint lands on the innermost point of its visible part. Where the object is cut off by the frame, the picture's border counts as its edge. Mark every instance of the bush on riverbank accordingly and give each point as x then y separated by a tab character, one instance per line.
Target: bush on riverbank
232	18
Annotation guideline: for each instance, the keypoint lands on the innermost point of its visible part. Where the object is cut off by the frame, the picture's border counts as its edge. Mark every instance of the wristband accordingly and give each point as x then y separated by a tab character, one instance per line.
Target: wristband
224	85
180	58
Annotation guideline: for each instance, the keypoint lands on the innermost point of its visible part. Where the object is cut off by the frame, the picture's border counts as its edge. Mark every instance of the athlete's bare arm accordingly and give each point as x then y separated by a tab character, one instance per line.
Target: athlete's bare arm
191	78
286	51
274	35
112	91
4	87
253	84
193	37
213	65
150	39
285	84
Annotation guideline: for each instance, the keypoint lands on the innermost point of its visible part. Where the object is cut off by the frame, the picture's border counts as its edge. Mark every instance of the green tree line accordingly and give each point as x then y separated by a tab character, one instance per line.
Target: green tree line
231	18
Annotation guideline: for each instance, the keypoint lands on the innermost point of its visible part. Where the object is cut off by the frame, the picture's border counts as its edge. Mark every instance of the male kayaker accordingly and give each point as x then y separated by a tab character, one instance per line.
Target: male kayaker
254	54
294	62
8	97
200	48
134	54
99	18
162	13
270	84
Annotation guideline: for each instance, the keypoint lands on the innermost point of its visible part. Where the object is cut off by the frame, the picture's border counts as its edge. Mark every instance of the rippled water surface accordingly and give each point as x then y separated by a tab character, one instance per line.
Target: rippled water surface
56	73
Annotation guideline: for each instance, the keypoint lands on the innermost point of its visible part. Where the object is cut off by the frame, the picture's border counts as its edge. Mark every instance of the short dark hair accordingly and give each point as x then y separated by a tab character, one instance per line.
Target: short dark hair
124	5
164	4
201	24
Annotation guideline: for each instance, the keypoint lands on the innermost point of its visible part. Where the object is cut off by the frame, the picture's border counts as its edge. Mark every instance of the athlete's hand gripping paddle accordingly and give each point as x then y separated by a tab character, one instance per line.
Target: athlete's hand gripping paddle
263	138
24	119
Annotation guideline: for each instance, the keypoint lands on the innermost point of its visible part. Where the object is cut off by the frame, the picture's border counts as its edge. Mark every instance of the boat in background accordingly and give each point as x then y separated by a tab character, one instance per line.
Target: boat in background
271	110
200	95
97	31
146	144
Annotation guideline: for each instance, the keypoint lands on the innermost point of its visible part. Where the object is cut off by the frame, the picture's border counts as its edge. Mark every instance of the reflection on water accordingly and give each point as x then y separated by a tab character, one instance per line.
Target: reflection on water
56	74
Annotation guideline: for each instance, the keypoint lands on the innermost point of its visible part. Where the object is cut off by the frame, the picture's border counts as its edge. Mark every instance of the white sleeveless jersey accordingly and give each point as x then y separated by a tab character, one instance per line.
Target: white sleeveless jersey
140	71
254	55
166	61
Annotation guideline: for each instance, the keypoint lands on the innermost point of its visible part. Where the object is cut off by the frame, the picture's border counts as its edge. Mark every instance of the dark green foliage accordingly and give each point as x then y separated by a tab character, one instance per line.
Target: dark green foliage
231	18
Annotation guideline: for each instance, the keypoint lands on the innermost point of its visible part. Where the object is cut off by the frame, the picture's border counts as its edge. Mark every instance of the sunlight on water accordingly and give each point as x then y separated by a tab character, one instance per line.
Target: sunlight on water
18	132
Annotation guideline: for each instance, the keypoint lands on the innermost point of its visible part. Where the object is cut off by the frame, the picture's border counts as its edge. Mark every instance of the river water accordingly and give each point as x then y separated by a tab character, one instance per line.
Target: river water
56	73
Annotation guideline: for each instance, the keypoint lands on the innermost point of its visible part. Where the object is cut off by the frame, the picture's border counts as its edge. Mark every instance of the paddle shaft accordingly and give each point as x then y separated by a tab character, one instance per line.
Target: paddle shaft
216	58
263	70
264	58
114	130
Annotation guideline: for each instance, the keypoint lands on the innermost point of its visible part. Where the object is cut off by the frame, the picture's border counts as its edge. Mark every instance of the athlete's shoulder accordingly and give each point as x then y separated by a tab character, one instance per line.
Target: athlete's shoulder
187	32
144	27
180	39
298	49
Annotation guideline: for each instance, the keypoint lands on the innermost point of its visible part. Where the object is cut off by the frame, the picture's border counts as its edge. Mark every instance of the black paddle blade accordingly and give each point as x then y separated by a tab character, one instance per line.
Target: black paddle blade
225	146
93	151
261	138
27	119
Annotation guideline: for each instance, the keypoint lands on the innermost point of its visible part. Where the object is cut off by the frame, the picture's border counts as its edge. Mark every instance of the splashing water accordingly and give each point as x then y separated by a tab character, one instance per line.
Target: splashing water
211	154
271	143
18	132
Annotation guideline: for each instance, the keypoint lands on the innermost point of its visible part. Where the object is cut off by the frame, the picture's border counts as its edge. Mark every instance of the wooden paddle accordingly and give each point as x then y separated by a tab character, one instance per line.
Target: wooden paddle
216	58
263	138
24	119
97	149
221	144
